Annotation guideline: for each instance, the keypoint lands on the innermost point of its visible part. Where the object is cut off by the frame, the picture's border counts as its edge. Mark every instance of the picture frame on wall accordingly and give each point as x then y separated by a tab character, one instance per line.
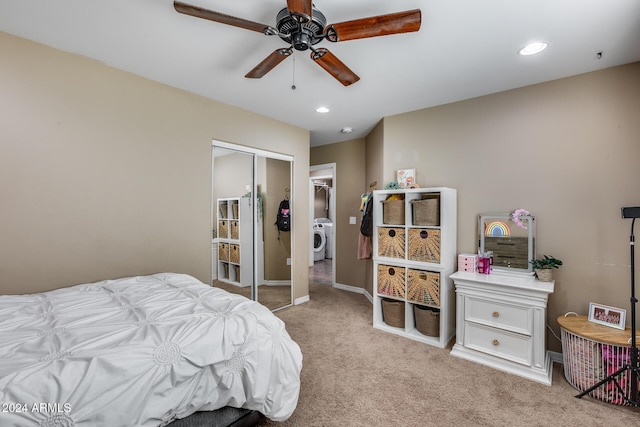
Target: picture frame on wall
608	316
406	178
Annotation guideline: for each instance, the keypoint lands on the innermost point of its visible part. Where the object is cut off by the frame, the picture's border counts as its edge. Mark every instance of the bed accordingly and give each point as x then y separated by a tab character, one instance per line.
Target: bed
142	351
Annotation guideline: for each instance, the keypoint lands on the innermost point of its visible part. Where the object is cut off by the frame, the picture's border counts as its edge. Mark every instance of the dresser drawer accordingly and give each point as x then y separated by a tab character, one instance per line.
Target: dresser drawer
511	317
496	342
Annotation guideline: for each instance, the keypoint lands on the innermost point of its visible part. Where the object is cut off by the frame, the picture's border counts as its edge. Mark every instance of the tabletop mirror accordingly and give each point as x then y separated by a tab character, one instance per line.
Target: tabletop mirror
512	243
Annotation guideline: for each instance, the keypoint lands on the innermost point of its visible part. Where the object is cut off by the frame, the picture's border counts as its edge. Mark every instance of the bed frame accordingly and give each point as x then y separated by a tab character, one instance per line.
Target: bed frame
224	417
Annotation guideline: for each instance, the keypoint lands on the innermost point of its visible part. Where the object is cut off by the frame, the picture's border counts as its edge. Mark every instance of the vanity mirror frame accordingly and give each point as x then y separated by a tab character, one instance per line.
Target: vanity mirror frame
506	219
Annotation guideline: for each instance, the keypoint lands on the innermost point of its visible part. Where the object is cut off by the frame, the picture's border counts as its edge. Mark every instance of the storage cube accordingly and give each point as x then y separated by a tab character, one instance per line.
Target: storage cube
424	245
426	211
391	280
427	320
423	287
393	312
235	230
223	251
391	242
234	253
393	212
223	229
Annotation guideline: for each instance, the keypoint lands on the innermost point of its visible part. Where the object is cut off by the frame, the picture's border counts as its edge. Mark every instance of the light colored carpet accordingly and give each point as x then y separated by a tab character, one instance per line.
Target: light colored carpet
354	375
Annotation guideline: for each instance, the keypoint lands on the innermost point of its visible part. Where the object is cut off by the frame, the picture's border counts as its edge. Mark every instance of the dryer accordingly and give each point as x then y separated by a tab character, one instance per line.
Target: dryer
319	242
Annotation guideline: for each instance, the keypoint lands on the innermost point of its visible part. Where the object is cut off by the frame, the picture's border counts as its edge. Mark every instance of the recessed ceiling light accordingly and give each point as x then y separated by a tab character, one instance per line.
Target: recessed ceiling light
322	110
346	129
533	48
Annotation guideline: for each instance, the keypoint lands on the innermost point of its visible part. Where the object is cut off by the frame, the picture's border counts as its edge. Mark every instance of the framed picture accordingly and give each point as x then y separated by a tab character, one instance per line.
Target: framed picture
607	316
406	177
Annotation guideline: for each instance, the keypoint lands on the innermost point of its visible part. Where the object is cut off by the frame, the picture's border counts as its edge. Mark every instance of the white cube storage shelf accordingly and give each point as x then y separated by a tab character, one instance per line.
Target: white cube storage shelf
413	262
234	242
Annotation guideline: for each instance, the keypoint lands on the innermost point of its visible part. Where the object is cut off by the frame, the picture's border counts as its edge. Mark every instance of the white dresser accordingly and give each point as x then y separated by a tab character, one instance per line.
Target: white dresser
500	322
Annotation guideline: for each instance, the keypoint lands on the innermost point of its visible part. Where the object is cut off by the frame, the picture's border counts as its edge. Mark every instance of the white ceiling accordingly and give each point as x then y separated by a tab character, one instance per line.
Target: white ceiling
464	49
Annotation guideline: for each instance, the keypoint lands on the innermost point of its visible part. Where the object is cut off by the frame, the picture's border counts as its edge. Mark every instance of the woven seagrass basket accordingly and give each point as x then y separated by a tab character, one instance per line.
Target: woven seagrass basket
234	253
235	230
393	212
391	281
427	320
426	211
391	242
423	286
424	245
223	252
223	229
393	312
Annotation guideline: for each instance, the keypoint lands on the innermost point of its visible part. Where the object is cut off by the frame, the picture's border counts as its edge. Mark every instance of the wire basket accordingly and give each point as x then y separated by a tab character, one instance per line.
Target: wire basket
424	245
391	242
391	281
393	312
393	212
423	287
587	362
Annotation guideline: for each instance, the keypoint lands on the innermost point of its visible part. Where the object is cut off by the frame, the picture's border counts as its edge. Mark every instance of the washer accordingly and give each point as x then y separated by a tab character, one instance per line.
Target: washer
319	242
328	231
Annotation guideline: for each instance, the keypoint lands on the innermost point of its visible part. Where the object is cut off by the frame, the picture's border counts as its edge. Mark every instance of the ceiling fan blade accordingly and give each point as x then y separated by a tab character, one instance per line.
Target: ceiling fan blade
301	9
381	25
269	63
334	66
199	12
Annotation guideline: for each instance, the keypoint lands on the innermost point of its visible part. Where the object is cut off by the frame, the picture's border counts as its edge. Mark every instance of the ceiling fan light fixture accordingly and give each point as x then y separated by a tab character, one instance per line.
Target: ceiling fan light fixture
533	48
322	110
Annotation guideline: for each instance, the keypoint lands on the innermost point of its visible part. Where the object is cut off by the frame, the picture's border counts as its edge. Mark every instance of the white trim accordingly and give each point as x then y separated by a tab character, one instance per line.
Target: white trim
556	357
301	300
354	289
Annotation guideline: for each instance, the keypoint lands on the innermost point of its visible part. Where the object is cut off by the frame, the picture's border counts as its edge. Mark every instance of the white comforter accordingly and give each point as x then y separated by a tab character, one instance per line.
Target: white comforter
141	351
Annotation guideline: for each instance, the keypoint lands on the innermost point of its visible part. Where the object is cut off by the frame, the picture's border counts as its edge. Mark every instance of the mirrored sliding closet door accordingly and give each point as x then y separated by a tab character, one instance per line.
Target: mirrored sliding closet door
250	256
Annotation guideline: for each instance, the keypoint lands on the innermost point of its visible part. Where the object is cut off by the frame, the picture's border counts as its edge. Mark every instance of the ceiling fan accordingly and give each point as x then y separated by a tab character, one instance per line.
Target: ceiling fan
302	26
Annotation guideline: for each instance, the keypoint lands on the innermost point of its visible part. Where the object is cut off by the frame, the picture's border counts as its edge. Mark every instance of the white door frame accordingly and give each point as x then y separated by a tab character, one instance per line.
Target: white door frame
332	213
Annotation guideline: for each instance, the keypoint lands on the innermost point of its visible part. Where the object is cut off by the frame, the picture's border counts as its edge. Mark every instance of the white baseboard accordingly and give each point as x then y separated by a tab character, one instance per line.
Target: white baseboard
354	289
301	300
556	357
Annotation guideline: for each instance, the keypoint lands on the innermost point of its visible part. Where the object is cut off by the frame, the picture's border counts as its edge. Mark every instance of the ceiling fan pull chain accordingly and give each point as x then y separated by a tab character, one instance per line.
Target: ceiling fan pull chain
293	78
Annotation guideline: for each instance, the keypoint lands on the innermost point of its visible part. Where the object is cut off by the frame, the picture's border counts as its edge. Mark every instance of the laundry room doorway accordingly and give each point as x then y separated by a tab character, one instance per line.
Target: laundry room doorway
322	189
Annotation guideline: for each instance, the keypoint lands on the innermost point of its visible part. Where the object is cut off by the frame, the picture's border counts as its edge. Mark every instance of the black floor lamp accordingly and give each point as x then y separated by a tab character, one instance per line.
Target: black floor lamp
632	366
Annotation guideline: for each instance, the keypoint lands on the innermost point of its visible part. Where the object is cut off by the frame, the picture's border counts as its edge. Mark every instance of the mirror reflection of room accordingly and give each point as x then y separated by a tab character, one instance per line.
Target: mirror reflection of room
249	256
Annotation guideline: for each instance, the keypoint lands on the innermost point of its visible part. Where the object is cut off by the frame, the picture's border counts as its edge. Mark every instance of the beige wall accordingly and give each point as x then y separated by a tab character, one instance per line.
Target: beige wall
104	174
567	150
349	184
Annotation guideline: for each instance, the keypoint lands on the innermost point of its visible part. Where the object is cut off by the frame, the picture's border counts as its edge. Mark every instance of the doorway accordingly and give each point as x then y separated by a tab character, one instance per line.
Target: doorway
322	208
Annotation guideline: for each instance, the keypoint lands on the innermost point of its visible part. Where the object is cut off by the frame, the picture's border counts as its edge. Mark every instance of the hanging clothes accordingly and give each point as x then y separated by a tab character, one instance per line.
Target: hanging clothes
365	245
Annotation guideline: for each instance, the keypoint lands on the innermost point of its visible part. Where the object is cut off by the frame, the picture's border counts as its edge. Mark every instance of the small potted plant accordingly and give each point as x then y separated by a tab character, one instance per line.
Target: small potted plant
543	267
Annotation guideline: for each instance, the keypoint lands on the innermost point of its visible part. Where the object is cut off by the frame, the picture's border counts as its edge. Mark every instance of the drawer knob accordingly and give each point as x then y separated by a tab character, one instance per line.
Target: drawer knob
496	342
496	314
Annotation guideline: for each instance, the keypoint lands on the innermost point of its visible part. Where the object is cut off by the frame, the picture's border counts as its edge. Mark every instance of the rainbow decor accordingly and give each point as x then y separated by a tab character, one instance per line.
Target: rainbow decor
497	228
